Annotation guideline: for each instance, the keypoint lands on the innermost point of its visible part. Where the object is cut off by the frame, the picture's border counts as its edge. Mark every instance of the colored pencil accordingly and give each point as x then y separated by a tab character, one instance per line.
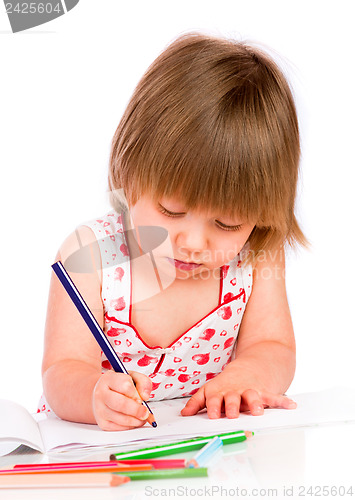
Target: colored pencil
182	446
166	473
91	480
93	325
55	464
155	463
159	464
76	469
204	454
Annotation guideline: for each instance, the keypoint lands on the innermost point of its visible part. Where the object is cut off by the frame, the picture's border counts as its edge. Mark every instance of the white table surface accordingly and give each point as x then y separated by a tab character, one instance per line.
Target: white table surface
309	462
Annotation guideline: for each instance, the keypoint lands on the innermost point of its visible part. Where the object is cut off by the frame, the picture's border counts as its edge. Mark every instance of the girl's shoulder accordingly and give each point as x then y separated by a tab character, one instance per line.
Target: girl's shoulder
83	249
107	225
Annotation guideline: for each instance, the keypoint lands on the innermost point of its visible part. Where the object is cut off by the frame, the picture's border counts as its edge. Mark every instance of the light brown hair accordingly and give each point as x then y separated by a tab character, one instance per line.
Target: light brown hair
214	122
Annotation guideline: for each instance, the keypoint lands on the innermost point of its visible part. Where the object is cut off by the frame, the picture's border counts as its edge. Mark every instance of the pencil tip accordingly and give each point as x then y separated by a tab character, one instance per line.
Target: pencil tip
151	420
117	479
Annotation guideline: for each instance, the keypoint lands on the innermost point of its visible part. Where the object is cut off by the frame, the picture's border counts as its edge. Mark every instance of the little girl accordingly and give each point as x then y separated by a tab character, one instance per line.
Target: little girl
186	273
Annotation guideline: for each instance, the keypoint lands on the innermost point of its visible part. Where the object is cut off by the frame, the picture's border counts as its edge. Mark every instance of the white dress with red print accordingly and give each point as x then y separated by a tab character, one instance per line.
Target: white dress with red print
197	355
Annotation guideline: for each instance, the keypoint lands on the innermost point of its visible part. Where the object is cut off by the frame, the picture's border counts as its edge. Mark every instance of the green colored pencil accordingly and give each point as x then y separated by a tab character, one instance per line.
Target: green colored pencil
182	446
164	473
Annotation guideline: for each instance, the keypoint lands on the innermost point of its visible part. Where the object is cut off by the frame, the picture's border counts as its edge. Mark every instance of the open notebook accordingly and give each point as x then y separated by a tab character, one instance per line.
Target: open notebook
50	434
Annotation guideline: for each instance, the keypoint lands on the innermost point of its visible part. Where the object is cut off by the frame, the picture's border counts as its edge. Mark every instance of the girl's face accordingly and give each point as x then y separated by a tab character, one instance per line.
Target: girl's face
200	242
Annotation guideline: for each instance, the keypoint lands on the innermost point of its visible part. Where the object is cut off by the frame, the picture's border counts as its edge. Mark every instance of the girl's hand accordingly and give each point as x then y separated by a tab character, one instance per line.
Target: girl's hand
117	402
225	394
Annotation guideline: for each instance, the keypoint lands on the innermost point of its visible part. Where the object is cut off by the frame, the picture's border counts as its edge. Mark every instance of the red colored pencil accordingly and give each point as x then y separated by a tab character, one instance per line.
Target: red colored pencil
156	463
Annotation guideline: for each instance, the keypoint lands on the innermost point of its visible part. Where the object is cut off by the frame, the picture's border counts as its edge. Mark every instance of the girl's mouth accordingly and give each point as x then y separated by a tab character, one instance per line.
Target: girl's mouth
185	266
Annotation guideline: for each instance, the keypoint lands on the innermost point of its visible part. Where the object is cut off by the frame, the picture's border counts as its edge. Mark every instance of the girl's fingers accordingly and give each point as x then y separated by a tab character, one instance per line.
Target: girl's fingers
116	402
253	402
278	401
232	404
214	405
121	404
111	420
196	403
122	384
143	384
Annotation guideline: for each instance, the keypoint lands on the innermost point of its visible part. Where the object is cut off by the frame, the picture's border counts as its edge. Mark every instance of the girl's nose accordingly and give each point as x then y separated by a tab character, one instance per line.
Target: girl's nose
192	237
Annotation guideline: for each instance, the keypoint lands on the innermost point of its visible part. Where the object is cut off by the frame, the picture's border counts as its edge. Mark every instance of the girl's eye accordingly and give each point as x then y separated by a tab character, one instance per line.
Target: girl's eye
179	214
228	228
168	213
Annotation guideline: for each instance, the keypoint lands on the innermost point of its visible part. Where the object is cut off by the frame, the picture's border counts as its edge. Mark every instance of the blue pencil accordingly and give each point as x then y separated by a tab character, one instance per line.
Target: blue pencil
203	455
93	325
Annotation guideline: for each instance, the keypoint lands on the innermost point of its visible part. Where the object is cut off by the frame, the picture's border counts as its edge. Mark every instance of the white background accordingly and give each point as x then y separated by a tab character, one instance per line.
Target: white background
63	88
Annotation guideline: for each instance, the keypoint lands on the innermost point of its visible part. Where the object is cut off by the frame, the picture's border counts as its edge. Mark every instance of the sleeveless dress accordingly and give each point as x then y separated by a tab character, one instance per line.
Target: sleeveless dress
197	355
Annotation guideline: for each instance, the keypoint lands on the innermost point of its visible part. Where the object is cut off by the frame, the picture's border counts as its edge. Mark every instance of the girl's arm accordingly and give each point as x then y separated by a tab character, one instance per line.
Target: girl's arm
265	359
71	370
